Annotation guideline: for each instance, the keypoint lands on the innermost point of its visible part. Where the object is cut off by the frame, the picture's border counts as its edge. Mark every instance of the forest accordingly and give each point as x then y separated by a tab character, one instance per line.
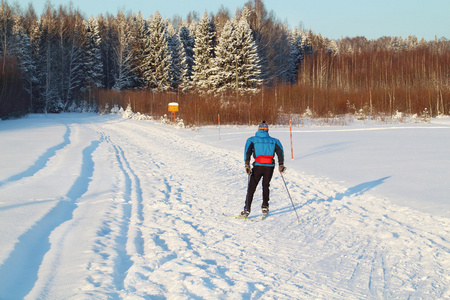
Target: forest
244	66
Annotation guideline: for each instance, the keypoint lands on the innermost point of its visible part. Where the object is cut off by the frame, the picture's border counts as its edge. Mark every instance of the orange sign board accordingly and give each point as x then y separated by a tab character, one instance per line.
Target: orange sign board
173	107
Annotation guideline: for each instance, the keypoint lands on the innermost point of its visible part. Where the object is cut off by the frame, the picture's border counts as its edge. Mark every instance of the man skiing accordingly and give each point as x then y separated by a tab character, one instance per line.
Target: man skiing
263	148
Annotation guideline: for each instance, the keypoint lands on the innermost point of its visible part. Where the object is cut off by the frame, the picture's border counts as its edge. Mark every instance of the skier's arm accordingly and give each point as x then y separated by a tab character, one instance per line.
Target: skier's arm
280	153
249	148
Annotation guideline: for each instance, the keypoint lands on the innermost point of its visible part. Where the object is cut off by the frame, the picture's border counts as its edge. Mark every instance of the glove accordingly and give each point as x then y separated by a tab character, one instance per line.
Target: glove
282	168
248	169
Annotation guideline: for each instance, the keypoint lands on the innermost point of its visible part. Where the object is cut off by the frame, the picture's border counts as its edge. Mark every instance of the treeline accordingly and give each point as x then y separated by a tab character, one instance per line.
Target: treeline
246	67
382	76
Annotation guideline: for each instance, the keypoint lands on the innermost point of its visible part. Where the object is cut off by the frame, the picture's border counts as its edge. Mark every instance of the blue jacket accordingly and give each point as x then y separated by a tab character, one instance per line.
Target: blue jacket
263	148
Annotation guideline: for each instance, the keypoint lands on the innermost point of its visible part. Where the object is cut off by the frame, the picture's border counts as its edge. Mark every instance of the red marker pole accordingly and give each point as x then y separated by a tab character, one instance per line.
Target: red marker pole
218	120
292	149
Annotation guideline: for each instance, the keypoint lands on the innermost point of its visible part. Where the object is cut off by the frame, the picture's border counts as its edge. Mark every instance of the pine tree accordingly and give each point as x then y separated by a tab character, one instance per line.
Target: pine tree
72	37
24	53
188	43
178	67
307	40
122	54
273	43
93	65
48	66
156	64
296	53
249	69
236	63
204	55
35	42
225	62
138	43
108	48
396	43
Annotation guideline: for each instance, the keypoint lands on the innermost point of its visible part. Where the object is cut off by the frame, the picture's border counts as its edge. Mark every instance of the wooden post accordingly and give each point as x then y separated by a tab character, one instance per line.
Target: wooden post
218	119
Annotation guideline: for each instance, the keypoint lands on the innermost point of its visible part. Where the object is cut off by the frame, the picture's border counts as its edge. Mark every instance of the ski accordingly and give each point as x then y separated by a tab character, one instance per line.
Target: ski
264	216
240	217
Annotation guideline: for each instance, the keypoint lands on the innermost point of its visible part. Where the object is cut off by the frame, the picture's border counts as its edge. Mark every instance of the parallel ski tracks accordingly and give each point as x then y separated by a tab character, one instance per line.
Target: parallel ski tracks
42	161
159	220
19	272
354	233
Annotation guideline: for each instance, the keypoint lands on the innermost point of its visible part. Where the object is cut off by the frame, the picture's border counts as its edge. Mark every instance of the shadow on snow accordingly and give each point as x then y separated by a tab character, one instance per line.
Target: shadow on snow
357	190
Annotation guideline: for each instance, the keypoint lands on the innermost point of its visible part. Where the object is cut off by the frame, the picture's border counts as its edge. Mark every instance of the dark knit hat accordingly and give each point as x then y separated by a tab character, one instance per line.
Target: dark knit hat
263	126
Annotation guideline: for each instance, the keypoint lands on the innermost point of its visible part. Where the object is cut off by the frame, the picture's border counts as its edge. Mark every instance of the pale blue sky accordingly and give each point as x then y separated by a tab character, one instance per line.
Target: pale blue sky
331	18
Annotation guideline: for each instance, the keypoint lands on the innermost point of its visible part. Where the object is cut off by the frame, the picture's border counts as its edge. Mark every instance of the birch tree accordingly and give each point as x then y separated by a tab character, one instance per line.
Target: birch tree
6	31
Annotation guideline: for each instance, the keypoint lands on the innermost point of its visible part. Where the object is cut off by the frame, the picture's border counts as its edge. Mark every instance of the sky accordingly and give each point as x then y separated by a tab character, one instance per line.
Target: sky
333	19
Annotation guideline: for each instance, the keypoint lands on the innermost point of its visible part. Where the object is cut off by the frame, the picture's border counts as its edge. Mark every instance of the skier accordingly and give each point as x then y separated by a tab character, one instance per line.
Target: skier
263	148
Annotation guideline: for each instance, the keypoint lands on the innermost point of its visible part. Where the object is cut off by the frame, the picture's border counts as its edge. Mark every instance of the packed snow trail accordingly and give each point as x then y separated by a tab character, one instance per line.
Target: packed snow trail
117	208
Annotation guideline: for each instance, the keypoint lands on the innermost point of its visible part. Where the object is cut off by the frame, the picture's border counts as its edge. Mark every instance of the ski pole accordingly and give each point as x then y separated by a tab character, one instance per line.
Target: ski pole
290	197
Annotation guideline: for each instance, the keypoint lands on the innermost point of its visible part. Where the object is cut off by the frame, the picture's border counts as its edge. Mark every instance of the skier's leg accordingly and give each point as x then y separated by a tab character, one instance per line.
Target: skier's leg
267	176
252	184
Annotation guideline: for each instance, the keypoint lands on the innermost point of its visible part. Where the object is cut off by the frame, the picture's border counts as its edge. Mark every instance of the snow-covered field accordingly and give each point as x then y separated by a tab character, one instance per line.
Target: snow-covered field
104	207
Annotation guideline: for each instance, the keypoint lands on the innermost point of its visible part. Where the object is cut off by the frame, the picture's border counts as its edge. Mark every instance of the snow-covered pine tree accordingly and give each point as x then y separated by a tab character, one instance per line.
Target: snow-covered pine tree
72	38
203	55
156	63
296	53
249	69
108	48
236	63
93	64
128	113
307	46
333	47
138	44
47	68
24	53
412	42
178	66
188	43
225	62
396	43
122	54
271	38
35	42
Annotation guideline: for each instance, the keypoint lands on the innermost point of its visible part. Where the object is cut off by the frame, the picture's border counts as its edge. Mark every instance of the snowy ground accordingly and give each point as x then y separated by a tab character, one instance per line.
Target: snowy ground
104	207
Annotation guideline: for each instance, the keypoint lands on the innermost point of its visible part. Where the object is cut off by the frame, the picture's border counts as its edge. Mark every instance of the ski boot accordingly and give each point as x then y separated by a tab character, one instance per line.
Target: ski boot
245	213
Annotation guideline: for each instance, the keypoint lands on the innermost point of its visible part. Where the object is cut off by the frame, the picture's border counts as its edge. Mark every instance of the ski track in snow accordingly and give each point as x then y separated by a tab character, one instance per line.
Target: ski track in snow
139	215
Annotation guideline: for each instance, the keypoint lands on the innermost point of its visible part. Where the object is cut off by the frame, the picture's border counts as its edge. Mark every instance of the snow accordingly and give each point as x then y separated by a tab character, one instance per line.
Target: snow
107	207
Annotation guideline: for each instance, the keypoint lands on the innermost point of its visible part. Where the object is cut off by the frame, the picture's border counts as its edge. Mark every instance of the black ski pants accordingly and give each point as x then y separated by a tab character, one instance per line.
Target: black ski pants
259	172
